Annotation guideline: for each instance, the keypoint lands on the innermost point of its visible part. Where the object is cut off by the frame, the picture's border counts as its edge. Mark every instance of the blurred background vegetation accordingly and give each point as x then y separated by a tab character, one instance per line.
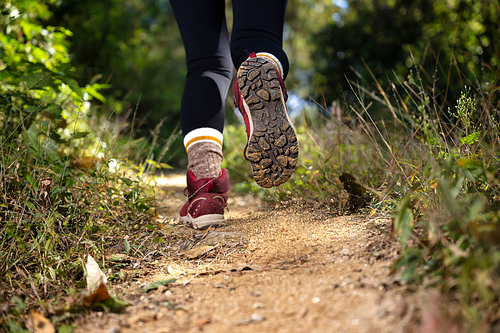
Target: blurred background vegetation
396	105
134	50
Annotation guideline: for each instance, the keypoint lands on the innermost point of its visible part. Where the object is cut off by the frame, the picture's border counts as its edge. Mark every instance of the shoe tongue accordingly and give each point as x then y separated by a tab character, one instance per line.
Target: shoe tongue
198	186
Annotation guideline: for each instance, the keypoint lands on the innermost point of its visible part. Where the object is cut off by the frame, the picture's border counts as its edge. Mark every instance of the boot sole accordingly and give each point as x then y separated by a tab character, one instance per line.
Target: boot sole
273	149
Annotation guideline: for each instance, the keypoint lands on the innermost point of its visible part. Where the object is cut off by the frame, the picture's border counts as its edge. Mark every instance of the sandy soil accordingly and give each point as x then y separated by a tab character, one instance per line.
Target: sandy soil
282	268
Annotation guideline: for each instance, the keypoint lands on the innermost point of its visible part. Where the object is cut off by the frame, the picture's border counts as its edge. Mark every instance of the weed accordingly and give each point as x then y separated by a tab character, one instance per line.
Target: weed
434	165
67	185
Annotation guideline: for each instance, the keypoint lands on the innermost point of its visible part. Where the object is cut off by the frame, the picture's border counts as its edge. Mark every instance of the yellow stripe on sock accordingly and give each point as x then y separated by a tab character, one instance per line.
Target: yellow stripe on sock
200	138
273	61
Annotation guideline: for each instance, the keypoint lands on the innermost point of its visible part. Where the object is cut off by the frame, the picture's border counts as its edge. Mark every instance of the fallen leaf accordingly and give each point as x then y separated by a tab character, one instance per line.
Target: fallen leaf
100	295
197	251
37	323
43	197
155	285
101	300
302	313
95	277
119	257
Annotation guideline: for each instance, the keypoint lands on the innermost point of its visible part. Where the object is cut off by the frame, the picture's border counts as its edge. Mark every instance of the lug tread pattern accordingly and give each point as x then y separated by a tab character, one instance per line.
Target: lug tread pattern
273	148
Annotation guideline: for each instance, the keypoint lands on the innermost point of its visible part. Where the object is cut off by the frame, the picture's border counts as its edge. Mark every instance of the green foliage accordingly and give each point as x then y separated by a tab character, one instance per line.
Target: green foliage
461	219
136	49
448	222
439	175
453	39
61	193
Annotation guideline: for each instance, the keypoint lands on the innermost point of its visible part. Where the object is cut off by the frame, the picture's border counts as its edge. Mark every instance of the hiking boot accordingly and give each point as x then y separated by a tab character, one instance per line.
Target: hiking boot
207	198
272	148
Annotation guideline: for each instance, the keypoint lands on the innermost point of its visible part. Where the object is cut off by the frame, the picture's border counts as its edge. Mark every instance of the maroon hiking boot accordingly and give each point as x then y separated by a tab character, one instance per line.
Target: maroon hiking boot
207	198
260	95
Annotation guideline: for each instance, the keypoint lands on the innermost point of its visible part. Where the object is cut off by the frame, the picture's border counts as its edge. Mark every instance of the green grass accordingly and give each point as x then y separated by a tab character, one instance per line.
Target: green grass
402	152
71	182
433	167
56	208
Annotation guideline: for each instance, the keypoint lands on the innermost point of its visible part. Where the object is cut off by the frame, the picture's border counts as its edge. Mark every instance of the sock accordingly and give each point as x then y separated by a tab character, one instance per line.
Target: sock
204	149
273	60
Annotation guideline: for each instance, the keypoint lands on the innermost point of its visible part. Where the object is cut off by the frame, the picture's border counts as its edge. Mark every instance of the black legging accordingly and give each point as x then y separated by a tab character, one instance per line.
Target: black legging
258	27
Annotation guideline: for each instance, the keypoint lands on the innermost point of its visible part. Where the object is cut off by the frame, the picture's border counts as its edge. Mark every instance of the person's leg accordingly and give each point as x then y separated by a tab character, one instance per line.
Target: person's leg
259	91
209	71
258	27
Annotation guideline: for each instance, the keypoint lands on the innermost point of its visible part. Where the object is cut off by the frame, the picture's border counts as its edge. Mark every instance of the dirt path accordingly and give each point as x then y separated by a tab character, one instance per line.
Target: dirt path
271	269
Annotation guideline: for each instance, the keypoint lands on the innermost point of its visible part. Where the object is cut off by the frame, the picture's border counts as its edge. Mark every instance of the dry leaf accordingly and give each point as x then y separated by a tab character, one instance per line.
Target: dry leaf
37	323
100	295
45	187
95	277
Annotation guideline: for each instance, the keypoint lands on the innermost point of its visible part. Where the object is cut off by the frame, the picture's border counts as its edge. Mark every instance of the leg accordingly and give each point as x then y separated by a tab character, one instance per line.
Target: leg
259	91
209	71
204	32
258	27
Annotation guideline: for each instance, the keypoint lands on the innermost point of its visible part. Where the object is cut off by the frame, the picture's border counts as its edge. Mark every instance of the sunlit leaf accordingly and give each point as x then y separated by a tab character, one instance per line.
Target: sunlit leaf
37	80
159	239
127	181
73	85
127	246
95	277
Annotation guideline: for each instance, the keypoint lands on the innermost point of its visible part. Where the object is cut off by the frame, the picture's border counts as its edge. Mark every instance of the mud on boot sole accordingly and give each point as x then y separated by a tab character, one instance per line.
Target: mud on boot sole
273	149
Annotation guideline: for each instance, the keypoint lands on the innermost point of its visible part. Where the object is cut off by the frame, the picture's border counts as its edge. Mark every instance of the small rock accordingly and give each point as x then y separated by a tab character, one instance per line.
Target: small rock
219	285
161	288
345	252
255	318
114	329
168	293
316	300
202	321
256	293
258	305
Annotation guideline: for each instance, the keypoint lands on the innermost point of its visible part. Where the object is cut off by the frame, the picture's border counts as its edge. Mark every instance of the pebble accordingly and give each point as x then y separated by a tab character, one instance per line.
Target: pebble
202	321
256	293
114	329
258	305
345	252
253	319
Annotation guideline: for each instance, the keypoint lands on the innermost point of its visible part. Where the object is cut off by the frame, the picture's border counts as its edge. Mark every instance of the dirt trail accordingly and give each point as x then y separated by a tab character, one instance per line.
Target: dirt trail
271	269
